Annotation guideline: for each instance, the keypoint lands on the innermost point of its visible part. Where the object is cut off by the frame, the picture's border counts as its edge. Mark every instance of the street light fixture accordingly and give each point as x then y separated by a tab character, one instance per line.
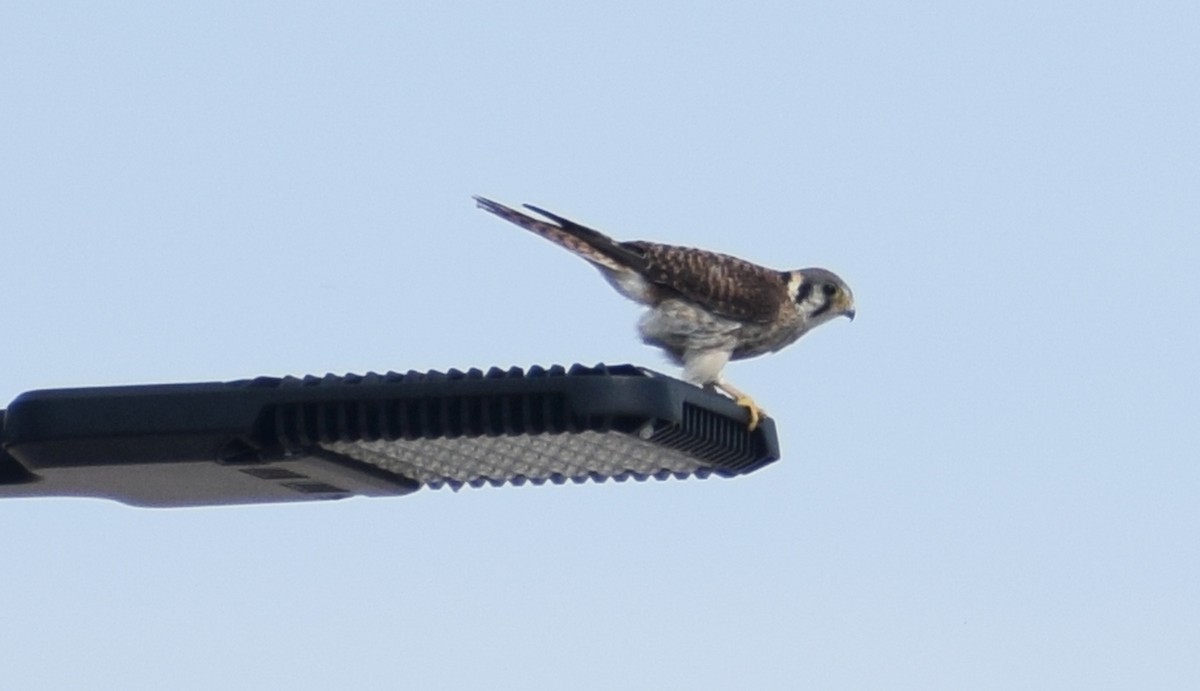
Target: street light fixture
294	439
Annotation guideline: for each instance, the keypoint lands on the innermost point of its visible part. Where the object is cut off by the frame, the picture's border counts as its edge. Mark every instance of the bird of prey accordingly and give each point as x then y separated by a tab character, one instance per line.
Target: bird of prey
705	308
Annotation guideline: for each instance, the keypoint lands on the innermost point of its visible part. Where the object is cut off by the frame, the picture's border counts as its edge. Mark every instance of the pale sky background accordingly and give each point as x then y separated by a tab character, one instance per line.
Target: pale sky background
991	479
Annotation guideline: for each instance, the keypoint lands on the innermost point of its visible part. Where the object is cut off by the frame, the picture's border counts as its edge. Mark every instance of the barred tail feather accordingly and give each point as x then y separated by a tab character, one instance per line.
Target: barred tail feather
592	245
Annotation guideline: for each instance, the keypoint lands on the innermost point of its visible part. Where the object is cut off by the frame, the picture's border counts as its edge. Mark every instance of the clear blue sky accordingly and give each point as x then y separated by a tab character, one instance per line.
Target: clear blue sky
990	479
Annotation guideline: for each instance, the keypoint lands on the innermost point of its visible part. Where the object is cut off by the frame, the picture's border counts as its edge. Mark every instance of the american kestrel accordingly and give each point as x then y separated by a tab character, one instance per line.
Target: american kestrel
705	308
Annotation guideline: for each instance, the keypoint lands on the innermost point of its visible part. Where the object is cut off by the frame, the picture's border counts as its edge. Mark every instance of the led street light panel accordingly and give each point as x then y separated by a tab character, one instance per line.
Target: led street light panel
294	439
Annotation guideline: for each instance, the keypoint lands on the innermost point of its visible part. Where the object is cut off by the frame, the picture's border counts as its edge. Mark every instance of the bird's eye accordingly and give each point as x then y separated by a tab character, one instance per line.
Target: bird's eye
829	289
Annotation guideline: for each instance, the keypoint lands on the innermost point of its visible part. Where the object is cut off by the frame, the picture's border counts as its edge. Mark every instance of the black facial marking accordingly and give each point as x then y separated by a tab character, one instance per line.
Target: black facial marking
803	292
825	307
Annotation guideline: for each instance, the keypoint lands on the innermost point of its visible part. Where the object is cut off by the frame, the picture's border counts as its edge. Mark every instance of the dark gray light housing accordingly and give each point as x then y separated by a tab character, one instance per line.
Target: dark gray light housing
270	439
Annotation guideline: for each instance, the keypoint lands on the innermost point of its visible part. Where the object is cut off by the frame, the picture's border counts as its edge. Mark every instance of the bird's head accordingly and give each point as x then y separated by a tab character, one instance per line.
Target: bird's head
820	295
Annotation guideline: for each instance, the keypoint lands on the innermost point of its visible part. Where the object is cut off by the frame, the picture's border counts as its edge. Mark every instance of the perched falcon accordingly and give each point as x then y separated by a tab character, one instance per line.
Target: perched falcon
705	308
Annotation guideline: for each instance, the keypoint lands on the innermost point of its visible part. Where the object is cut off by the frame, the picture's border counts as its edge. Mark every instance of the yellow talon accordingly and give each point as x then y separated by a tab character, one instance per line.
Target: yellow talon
752	408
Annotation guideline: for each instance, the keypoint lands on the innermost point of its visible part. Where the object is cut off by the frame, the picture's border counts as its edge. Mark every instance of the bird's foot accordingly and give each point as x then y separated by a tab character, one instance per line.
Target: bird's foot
756	413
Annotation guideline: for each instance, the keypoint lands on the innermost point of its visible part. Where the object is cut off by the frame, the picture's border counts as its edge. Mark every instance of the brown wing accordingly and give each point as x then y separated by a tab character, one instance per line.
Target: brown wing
725	285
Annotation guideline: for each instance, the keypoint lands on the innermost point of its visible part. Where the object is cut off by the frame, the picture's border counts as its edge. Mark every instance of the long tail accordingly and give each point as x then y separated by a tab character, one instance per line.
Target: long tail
592	245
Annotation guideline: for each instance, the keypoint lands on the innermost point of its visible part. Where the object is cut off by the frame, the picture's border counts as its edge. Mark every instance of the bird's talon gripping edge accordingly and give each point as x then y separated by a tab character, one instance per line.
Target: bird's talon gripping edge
756	413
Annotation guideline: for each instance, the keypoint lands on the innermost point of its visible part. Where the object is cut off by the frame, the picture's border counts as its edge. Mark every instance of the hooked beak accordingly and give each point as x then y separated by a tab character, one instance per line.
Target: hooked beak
849	314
